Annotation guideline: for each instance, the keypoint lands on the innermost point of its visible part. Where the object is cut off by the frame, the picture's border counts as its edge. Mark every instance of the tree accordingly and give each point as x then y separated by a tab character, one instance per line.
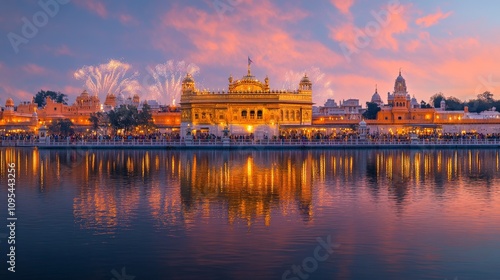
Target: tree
486	97
371	111
62	127
145	118
124	117
436	99
41	97
97	119
483	102
454	104
424	104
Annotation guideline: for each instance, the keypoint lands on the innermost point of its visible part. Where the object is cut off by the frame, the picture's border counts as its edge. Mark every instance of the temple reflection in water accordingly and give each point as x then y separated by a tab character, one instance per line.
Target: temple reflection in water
246	186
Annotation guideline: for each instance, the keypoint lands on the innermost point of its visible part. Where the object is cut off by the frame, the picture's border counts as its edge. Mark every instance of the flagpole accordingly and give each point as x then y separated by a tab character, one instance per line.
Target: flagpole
249	62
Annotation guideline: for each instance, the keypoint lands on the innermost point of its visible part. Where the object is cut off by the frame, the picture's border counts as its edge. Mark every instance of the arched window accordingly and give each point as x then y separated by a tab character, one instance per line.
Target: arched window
252	114
259	114
244	114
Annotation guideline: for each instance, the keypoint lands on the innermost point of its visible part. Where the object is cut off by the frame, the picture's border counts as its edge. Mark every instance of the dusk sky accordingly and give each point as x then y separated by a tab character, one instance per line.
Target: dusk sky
441	46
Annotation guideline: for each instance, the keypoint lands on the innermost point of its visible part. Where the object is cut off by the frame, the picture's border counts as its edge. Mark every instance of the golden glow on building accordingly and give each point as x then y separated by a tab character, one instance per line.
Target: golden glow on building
248	106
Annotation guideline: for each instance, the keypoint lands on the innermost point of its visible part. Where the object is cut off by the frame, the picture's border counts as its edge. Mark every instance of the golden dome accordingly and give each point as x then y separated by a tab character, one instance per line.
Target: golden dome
9	102
84	93
305	80
188	79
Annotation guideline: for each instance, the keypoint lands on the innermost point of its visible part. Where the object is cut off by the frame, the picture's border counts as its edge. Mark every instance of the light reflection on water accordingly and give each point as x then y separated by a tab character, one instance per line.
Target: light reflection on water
397	214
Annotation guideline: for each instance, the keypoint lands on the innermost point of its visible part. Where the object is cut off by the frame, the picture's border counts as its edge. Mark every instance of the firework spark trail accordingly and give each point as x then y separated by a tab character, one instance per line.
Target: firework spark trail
167	79
110	77
318	78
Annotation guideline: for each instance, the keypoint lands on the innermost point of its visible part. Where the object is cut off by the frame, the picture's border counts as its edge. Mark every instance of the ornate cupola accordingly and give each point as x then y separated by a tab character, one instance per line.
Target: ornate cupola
9	104
188	84
305	85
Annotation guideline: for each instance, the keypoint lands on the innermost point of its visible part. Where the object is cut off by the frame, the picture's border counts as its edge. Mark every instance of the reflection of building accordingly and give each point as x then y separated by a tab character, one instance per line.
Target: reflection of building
249	106
250	184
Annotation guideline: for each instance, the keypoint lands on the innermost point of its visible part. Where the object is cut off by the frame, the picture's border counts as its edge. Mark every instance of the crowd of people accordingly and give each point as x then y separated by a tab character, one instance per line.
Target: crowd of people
175	136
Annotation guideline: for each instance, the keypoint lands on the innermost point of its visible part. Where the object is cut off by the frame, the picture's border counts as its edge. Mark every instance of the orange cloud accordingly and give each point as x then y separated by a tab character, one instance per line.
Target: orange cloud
343	6
212	42
432	19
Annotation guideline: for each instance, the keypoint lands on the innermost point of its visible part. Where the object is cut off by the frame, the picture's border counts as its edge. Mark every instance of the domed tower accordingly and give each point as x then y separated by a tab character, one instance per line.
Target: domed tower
84	94
188	84
110	101
376	98
400	97
136	99
9	104
400	85
305	85
414	103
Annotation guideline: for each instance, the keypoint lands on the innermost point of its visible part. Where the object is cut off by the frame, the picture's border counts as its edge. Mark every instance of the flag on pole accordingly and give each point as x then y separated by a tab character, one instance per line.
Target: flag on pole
249	61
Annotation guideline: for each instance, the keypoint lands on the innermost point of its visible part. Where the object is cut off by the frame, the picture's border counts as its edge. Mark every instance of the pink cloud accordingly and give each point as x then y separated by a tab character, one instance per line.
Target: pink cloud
373	34
95	7
126	19
343	6
33	69
432	19
63	51
216	42
15	93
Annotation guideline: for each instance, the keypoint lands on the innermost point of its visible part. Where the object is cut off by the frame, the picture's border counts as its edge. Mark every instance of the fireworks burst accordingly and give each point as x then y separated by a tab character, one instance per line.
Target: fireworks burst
107	78
167	78
321	83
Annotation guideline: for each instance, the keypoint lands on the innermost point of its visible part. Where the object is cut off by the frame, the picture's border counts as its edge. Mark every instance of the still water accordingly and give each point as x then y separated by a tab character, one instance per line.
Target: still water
250	214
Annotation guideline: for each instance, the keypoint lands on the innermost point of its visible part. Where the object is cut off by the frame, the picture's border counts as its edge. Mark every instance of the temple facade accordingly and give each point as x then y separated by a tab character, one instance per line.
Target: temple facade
402	113
249	106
